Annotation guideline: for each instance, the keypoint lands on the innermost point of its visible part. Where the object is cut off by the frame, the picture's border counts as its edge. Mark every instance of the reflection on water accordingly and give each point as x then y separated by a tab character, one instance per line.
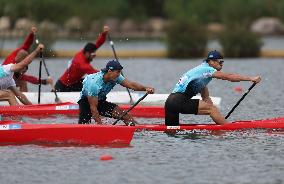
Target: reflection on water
275	132
192	135
220	134
71	143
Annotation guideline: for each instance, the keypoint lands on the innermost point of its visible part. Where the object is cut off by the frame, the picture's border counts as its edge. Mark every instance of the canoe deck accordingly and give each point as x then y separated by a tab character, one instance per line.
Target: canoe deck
67	108
275	123
118	97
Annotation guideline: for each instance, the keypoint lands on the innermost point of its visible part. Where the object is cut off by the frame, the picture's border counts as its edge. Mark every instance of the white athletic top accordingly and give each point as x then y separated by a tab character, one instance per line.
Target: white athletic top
6	77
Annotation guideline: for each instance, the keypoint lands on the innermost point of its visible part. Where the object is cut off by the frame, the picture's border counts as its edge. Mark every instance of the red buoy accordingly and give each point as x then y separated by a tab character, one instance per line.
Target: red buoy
106	157
238	89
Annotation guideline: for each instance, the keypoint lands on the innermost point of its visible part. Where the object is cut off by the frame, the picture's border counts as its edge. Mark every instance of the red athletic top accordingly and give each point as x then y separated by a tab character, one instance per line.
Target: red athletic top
11	58
27	44
80	66
31	79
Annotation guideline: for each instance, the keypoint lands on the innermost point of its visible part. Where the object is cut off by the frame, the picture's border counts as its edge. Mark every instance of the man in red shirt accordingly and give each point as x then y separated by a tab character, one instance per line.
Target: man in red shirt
80	65
17	56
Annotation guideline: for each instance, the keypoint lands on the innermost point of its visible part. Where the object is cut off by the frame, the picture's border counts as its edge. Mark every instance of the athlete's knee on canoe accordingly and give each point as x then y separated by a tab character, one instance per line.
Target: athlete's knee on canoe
205	108
6	94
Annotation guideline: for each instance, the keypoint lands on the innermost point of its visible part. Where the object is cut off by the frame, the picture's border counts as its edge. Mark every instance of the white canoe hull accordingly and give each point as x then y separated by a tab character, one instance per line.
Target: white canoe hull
118	97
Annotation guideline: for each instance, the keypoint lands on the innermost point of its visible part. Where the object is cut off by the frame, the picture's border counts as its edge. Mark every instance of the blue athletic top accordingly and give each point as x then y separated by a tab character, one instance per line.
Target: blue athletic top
194	80
94	85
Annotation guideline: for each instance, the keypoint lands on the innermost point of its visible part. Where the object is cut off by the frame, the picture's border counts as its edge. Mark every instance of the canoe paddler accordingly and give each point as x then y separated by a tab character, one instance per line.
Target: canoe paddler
80	65
195	81
8	89
17	56
93	103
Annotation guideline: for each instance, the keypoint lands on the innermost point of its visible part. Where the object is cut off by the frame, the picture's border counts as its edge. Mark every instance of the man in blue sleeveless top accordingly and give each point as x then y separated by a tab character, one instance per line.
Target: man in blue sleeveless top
195	81
96	86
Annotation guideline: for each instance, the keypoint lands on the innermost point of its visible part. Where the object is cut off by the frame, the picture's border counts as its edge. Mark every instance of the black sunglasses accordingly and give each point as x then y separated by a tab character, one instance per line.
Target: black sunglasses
219	61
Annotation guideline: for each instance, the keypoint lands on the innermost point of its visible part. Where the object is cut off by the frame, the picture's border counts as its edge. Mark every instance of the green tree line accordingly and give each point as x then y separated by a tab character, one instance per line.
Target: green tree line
205	11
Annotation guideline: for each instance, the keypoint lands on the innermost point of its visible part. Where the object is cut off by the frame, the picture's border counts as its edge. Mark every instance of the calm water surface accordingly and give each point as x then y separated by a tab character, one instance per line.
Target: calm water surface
252	156
269	43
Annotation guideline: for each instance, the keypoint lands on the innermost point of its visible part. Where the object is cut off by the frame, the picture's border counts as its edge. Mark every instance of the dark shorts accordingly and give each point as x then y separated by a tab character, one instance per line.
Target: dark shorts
178	103
60	87
85	115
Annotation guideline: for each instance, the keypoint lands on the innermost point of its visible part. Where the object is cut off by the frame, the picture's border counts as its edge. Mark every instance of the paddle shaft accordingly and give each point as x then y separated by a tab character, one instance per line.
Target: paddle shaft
39	79
47	72
136	103
46	69
116	58
241	99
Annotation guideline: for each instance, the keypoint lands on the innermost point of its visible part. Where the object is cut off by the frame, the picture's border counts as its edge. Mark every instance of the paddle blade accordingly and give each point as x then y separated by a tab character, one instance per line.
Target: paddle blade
57	100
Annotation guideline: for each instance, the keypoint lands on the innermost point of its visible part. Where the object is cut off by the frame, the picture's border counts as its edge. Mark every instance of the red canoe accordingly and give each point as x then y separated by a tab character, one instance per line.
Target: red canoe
25	133
64	134
72	109
274	123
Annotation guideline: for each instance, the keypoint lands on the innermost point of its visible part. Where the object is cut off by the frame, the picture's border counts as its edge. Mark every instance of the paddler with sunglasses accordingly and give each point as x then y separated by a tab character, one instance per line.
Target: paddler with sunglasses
195	81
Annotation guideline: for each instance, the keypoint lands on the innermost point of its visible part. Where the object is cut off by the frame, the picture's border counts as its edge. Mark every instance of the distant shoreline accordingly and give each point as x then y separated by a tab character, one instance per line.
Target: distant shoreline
139	54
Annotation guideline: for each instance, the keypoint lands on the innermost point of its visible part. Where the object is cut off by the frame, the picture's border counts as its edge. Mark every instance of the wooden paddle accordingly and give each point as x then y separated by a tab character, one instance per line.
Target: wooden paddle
125	112
116	58
241	99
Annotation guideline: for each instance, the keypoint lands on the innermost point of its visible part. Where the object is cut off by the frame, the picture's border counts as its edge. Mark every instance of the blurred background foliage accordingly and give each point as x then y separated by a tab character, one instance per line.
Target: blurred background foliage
223	11
186	34
186	39
237	41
